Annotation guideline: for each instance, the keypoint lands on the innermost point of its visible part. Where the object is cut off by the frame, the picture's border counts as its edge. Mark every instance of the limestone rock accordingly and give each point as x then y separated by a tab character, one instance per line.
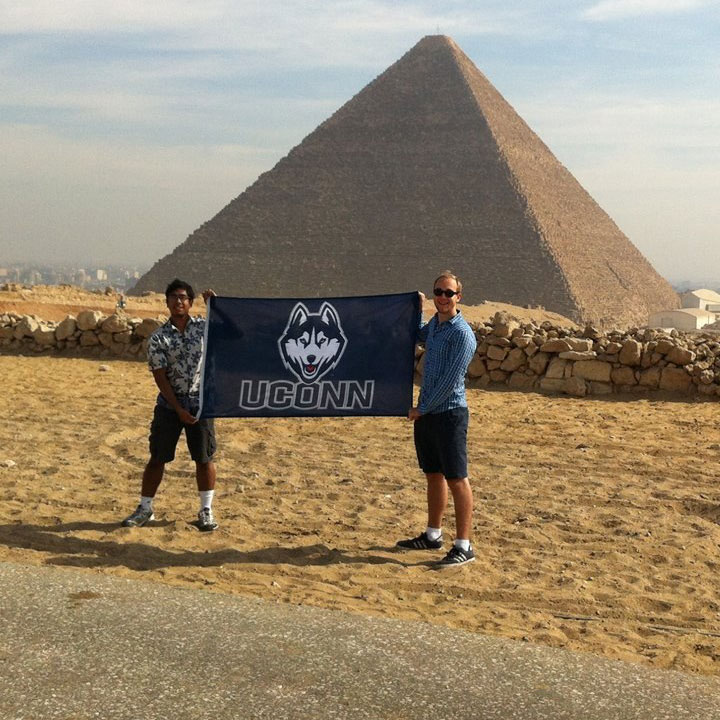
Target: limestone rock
599	388
575	386
26	327
477	367
515	359
123	337
66	328
498	376
88	338
578	355
147	327
44	335
557	345
116	323
706	377
556	368
538	362
674	379
680	356
592	370
496	353
664	346
650	377
502	342
552	384
520	381
522	341
580	344
631	352
88	319
504	325
623	376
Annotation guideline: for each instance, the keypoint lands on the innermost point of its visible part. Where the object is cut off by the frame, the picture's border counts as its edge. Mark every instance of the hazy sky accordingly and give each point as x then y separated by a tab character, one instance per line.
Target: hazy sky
125	125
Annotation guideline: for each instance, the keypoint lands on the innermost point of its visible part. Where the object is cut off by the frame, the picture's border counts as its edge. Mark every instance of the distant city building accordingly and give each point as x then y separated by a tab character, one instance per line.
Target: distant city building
702	299
682	319
90	278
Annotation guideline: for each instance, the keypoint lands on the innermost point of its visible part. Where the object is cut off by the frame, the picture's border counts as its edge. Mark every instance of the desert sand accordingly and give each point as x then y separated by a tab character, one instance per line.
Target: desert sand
596	524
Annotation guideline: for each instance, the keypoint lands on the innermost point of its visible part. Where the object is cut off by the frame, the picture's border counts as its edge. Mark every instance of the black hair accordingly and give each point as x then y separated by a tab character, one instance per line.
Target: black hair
178	284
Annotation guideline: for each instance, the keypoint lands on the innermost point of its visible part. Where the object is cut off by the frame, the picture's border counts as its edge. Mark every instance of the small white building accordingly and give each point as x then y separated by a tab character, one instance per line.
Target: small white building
702	299
682	319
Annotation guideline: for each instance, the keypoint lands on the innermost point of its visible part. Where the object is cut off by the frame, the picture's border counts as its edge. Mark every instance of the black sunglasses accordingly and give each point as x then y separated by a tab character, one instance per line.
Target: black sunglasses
437	292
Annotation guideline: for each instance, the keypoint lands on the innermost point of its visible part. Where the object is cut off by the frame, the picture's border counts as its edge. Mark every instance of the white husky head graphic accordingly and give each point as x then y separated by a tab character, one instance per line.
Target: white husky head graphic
312	343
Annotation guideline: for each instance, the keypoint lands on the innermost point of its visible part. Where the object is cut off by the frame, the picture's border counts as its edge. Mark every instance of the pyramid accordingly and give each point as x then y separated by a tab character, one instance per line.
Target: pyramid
427	168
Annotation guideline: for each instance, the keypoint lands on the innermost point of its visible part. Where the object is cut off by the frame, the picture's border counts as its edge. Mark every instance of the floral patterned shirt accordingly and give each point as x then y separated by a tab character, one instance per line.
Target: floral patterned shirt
180	353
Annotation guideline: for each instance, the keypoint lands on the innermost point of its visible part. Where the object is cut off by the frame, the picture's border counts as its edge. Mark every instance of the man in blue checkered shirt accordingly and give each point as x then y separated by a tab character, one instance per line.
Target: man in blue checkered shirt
441	422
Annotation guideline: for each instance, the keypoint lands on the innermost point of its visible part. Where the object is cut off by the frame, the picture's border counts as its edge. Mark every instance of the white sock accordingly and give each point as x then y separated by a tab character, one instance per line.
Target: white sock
206	498
433	533
146	503
462	544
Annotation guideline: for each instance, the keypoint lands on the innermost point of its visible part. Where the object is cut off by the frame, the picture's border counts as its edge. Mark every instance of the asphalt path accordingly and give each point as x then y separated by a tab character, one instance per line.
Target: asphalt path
77	645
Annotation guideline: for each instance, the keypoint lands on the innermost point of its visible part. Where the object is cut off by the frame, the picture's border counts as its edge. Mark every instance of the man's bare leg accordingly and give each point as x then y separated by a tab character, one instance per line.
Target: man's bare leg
463	501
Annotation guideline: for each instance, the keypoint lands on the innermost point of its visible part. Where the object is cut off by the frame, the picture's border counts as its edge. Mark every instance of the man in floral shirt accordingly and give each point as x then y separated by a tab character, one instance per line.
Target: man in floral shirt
174	354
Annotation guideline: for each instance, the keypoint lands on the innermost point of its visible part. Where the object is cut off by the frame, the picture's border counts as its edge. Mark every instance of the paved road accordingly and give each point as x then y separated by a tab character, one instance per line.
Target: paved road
77	645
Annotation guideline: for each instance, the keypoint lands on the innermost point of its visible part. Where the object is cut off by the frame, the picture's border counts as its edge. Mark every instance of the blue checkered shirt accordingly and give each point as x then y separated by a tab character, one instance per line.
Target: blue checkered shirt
449	348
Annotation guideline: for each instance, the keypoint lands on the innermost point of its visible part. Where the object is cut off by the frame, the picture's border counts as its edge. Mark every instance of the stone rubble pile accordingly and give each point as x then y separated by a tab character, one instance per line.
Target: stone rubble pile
549	358
512	354
91	333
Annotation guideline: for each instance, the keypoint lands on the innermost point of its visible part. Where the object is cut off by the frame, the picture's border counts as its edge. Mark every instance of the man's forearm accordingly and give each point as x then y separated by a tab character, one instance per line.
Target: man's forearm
166	390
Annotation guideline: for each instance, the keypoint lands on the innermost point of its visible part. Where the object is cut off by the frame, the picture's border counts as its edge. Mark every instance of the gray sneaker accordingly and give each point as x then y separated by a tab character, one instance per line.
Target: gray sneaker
206	520
139	518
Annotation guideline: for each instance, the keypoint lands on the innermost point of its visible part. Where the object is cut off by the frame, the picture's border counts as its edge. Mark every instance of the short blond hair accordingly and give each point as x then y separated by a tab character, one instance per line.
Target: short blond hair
449	275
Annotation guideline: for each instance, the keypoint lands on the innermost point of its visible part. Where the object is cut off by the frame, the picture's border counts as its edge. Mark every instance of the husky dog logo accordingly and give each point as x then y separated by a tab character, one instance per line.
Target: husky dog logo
312	343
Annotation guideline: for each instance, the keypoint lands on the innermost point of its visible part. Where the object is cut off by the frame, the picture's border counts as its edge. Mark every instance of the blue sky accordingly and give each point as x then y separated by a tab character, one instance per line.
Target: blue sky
125	125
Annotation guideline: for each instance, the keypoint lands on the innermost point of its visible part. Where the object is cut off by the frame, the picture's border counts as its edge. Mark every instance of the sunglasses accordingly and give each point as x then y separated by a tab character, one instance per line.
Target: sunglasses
437	292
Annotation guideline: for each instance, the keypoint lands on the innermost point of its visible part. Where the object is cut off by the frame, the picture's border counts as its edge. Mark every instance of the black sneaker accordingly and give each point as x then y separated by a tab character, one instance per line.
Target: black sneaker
457	556
206	520
421	542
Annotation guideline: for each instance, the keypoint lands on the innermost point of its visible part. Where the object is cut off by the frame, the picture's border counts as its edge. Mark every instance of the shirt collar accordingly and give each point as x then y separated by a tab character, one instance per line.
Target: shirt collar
192	320
451	321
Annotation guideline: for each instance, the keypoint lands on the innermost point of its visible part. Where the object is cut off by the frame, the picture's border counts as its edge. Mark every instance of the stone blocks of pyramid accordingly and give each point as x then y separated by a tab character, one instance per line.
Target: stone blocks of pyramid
427	168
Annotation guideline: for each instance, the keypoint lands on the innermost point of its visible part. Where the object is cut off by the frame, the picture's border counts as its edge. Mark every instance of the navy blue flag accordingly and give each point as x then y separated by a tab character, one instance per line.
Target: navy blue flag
320	357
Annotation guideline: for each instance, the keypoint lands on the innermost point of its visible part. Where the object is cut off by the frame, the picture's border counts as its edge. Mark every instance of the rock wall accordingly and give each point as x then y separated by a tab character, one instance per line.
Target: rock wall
547	358
90	334
510	354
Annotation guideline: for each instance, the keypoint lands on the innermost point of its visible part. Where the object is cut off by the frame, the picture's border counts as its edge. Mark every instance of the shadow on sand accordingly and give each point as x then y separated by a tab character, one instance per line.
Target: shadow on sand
65	548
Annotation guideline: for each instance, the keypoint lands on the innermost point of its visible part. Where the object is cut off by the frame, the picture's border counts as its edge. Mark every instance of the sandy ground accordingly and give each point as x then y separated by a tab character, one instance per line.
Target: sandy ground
596	526
51	302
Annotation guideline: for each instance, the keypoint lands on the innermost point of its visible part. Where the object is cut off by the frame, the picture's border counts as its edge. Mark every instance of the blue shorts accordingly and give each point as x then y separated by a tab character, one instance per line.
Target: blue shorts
441	443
